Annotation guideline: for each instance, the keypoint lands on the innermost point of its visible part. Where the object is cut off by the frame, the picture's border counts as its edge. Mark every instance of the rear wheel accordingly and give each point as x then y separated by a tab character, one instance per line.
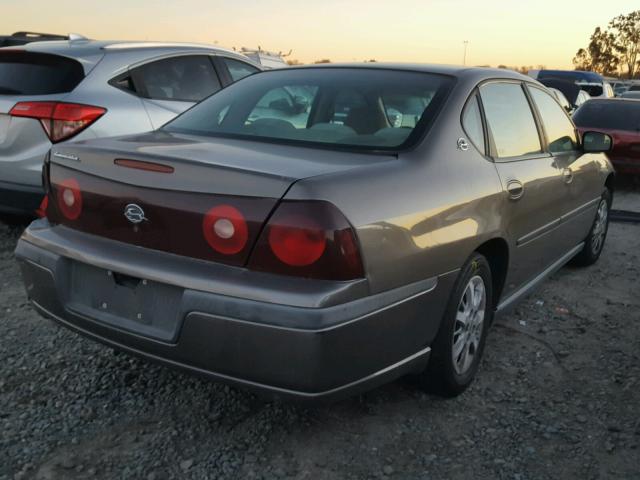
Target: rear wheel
458	347
594	243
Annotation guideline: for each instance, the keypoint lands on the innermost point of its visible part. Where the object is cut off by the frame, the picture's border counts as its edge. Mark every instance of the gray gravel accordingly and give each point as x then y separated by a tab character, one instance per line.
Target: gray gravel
557	396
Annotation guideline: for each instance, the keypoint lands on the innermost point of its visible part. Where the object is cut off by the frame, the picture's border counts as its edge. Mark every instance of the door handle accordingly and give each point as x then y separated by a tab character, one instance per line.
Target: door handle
567	175
515	189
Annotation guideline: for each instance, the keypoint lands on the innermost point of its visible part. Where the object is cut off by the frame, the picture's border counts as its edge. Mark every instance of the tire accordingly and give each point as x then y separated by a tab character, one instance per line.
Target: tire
445	375
594	243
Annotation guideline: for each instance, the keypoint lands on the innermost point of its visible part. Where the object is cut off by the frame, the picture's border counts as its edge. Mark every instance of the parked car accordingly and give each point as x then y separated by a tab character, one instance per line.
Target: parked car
562	100
593	83
572	92
634	95
620	87
620	119
319	259
52	92
22	38
268	60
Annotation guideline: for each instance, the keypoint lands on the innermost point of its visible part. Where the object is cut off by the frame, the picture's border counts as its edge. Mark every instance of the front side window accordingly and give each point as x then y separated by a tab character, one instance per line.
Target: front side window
361	108
510	120
185	78
561	134
238	69
472	123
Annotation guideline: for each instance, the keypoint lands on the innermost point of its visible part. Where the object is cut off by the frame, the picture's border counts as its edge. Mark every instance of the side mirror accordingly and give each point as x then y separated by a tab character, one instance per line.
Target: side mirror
596	142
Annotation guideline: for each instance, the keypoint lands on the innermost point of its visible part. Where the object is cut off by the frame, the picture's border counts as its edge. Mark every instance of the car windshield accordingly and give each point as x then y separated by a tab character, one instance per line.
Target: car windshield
361	108
611	115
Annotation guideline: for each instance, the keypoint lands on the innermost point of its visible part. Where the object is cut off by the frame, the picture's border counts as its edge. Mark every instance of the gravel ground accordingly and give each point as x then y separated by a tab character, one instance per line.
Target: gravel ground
557	397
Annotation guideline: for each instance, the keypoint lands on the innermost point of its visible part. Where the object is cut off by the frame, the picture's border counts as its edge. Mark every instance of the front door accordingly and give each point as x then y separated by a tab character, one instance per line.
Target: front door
580	172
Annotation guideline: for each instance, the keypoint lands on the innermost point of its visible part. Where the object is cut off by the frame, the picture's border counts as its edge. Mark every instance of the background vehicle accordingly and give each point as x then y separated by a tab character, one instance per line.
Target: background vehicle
635	95
572	92
58	91
316	259
620	118
620	87
591	82
268	60
562	100
22	38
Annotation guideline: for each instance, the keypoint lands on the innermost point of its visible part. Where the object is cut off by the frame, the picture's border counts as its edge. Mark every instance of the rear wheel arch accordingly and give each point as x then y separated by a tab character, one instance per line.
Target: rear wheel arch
610	183
496	251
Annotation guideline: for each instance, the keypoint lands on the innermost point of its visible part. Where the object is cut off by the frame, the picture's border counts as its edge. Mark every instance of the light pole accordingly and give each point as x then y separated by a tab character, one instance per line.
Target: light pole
464	58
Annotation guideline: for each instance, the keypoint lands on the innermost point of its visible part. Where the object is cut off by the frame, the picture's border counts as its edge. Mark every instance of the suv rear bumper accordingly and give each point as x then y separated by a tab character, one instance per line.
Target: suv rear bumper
335	349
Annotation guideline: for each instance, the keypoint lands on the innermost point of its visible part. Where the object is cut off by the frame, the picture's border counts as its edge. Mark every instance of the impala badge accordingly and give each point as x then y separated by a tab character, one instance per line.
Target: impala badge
134	213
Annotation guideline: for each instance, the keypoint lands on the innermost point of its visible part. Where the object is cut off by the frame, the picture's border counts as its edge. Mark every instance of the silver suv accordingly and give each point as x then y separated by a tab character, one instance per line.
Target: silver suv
62	91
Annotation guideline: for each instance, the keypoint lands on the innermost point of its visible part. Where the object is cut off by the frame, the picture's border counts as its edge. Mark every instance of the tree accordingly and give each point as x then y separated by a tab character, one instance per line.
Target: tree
293	62
627	34
602	54
324	60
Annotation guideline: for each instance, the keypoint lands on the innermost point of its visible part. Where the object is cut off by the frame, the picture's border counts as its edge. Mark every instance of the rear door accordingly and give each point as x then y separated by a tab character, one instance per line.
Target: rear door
581	179
530	179
170	86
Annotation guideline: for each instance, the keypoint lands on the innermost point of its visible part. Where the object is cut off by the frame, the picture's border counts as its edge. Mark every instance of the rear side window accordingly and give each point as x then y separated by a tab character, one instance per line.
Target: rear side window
186	78
510	120
29	73
472	123
561	134
609	115
238	69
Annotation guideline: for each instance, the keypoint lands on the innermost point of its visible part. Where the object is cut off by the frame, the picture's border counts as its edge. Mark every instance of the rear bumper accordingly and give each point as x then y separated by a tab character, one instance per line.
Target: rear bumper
19	199
338	344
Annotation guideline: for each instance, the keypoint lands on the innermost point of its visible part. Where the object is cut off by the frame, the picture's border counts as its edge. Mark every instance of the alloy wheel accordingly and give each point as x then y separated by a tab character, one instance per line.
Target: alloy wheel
600	227
468	327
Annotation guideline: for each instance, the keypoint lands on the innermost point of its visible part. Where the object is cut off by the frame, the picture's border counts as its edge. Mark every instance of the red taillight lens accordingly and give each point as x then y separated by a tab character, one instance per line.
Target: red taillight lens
297	241
225	229
69	198
41	212
308	239
60	121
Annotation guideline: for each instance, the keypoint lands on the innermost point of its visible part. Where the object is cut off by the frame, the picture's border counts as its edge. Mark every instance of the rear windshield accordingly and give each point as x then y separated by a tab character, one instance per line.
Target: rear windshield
344	107
613	115
29	73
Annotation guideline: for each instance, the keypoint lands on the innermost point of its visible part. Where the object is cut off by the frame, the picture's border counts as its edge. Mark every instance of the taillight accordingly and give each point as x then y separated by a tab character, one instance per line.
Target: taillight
60	121
69	198
225	229
308	239
41	212
297	241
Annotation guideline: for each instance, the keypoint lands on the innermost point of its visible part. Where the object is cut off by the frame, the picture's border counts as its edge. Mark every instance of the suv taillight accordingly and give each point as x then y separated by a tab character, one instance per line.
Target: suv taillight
308	239
60	121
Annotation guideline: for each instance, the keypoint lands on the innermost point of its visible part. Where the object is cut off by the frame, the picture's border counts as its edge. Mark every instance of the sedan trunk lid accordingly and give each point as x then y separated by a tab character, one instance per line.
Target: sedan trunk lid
166	191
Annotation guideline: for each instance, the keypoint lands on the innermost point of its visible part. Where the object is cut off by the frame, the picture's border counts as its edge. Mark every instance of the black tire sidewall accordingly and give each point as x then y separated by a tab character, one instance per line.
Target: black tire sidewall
441	370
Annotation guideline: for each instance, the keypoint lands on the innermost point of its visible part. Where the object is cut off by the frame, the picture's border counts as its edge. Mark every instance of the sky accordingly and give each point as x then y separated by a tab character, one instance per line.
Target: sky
509	32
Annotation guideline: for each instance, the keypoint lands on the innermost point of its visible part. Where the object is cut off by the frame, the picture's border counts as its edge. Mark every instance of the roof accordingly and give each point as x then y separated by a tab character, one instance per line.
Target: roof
89	52
83	47
615	100
577	75
451	70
